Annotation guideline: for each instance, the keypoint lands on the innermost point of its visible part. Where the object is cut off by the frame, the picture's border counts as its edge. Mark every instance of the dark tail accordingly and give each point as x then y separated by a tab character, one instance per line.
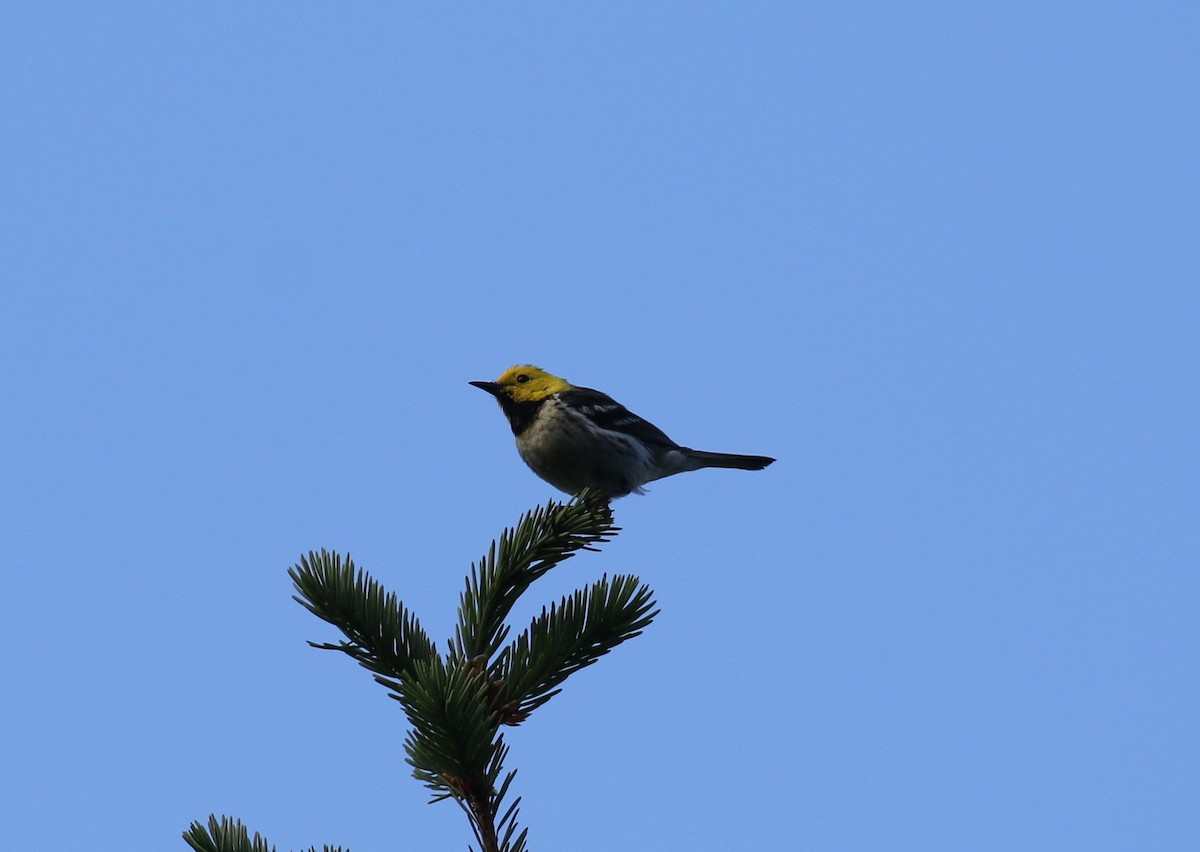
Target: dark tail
699	459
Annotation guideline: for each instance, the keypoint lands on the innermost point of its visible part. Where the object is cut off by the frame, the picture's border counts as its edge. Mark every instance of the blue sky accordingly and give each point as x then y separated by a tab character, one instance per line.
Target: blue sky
940	259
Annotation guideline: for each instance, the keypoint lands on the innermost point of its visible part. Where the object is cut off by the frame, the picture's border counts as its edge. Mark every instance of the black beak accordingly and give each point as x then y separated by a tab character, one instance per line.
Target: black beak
490	387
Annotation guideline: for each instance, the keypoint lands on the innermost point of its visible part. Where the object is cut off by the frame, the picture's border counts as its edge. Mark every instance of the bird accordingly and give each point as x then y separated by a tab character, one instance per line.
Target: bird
579	439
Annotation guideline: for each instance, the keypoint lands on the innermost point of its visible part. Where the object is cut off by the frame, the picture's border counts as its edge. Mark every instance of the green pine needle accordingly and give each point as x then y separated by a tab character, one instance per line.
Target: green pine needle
384	637
543	538
229	835
577	632
458	703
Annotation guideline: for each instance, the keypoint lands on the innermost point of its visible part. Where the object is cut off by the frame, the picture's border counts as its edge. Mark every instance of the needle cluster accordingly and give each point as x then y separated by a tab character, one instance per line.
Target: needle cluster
457	703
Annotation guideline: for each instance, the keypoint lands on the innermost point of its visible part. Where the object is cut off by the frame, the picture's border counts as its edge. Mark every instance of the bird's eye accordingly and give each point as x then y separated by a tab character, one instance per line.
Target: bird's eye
522	379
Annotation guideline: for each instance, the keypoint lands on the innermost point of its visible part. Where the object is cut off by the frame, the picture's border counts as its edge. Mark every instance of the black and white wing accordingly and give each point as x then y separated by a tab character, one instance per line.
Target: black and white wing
609	414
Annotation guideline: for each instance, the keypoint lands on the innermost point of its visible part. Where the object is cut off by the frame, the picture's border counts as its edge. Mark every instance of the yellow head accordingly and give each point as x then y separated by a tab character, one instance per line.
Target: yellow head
524	383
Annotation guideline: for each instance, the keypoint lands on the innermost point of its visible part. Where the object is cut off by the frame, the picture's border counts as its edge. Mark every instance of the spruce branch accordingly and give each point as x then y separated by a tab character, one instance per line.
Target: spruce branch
543	538
452	740
229	835
384	637
577	632
458	703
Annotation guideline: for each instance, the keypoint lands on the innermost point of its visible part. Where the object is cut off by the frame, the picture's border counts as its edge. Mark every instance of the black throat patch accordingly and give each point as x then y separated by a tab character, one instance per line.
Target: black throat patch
520	414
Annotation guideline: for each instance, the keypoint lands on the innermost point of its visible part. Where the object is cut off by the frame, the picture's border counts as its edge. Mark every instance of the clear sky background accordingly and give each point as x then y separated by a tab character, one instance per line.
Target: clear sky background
940	259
